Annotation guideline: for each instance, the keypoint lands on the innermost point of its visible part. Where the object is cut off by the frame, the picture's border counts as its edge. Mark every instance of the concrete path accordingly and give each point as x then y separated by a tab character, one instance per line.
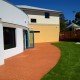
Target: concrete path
32	64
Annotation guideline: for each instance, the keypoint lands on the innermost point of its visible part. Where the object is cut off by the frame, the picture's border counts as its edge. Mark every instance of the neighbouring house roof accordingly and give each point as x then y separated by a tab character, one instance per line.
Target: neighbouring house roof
73	25
37	8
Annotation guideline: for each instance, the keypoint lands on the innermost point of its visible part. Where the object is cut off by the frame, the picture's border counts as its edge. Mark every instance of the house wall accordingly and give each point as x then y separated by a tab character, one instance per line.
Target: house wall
49	28
19	45
4	54
48	33
12	14
42	20
1	45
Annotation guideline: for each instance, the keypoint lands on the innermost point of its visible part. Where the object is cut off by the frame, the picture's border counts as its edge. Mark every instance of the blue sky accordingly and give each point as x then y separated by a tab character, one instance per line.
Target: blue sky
66	6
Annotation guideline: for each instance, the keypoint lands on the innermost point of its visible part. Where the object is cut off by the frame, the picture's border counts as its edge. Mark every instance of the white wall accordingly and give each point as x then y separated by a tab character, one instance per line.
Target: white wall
11	14
42	20
1	45
4	54
19	45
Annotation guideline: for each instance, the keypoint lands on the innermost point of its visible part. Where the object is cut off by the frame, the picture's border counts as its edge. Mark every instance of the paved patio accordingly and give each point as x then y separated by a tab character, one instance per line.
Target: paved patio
32	64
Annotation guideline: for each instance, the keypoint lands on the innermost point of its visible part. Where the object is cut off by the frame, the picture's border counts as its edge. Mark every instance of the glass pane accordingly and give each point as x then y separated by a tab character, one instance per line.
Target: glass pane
31	39
9	37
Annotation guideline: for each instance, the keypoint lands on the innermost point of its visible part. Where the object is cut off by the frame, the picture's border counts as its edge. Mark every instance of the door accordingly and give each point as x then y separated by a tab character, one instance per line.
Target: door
25	37
31	39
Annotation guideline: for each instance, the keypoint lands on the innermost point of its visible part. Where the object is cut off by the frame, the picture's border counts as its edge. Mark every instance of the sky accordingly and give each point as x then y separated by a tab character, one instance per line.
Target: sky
68	7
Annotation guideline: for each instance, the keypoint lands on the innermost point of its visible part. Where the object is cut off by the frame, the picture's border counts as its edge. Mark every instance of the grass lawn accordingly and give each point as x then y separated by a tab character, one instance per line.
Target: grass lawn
68	67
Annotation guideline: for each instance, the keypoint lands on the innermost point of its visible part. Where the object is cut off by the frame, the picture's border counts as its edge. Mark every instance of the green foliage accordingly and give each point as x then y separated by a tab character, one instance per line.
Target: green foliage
77	15
68	67
77	18
63	23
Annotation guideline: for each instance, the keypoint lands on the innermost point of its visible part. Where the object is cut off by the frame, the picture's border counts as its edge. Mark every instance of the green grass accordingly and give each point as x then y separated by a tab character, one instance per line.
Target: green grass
68	67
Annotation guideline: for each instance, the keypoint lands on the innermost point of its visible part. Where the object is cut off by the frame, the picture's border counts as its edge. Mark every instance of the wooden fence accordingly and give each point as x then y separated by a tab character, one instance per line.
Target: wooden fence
70	35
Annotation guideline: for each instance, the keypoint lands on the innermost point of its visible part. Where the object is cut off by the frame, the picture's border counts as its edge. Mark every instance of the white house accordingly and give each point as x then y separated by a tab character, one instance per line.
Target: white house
13	31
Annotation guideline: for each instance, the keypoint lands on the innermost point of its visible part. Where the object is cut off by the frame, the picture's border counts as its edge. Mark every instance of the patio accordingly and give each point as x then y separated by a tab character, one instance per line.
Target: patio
32	64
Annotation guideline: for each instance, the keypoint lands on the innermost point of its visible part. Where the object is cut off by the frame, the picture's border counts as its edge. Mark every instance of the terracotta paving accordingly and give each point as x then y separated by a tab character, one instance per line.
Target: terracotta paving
32	64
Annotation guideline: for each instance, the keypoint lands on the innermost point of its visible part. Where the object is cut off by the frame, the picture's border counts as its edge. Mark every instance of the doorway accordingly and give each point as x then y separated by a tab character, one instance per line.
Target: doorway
25	38
31	39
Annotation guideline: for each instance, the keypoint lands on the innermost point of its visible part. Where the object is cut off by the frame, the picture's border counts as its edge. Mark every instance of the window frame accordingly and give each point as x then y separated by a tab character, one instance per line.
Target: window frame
33	20
47	15
10	41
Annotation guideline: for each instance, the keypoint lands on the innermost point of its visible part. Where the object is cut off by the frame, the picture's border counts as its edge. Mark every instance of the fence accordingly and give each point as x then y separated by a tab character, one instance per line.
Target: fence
70	35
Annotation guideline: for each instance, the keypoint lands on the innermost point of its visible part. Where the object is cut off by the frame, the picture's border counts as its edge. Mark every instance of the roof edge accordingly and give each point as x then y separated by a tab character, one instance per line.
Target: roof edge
38	8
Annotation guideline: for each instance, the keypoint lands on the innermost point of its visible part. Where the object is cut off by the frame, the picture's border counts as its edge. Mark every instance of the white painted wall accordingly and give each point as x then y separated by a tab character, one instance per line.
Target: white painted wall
1	45
12	51
42	20
11	14
19	45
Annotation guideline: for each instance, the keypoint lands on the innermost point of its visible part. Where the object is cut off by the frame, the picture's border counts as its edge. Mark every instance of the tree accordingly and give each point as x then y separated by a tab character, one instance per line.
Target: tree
77	18
63	22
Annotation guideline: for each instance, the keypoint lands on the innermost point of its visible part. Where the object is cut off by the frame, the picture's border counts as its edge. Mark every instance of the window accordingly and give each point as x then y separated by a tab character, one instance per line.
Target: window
33	20
47	15
9	38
